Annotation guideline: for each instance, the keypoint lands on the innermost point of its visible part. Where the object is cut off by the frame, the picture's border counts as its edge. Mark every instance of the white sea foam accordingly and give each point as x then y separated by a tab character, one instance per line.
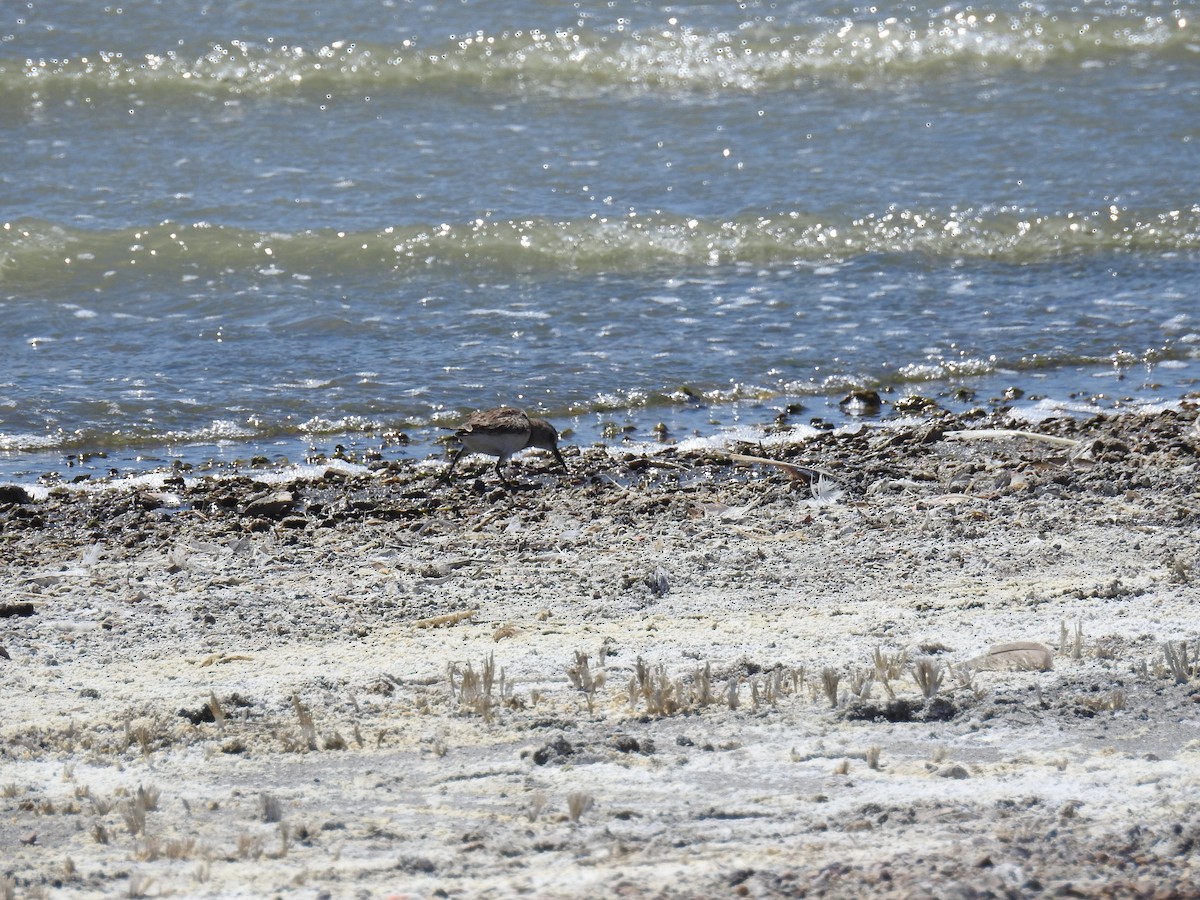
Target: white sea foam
28	441
217	430
511	313
301	471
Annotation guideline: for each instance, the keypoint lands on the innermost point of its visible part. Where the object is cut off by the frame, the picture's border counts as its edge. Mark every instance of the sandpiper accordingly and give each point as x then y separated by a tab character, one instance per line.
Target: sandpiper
501	432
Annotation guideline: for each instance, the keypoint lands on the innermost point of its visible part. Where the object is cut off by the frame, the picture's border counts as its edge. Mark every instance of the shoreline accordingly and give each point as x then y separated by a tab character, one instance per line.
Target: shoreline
702	421
667	675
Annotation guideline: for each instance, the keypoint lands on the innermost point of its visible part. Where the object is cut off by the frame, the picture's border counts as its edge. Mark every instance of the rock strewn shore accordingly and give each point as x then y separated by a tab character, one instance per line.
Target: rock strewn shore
674	675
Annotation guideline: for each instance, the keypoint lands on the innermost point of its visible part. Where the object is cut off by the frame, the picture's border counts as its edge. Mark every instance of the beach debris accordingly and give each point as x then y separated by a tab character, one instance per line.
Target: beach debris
825	488
177	560
9	610
1017	656
91	555
448	619
793	470
825	491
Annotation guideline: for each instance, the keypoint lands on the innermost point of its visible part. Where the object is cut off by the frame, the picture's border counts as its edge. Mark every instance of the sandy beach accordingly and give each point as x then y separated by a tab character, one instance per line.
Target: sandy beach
679	673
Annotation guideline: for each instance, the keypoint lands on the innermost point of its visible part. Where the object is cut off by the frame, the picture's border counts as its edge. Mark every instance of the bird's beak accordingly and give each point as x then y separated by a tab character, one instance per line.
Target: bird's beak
561	462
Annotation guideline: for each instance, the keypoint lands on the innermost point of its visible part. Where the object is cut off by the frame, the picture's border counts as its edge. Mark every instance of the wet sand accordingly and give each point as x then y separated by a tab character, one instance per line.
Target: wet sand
673	674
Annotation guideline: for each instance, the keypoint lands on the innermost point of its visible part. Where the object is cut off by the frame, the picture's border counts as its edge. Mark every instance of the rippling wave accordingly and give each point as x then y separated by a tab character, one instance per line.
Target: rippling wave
752	57
42	253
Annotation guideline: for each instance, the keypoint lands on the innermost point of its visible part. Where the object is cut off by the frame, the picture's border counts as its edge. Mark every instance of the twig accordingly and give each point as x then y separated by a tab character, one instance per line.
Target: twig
795	471
448	619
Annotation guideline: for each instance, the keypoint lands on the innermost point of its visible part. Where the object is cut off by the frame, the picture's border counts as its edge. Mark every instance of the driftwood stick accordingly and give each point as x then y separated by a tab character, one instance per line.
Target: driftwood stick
792	469
449	619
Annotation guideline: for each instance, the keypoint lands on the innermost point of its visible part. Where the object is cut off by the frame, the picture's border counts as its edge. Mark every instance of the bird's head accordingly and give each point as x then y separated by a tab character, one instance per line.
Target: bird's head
545	436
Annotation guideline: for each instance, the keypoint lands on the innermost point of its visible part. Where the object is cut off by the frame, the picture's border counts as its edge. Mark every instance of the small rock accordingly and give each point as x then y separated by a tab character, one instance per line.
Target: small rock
914	403
14	493
861	403
270	506
628	744
1019	656
658	582
556	749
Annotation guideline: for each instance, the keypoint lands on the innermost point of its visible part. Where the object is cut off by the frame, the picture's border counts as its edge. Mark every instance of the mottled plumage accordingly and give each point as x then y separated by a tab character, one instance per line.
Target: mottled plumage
501	432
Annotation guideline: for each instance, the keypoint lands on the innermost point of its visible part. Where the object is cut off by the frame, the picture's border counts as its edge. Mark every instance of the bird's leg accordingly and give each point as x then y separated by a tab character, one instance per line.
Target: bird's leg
453	463
500	472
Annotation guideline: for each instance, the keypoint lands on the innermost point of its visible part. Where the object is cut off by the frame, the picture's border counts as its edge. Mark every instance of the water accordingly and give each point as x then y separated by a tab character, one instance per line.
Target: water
256	230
